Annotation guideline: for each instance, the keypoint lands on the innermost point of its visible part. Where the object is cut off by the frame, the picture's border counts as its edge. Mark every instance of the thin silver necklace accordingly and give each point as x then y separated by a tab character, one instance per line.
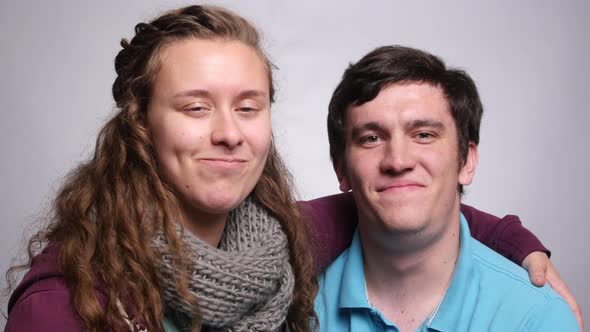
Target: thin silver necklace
433	313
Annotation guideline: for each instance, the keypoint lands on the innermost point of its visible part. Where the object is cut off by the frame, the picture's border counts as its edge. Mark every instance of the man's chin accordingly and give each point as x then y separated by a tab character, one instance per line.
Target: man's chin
404	228
405	219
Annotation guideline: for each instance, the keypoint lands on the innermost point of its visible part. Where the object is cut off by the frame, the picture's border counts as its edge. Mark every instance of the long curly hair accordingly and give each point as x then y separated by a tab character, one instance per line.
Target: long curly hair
110	204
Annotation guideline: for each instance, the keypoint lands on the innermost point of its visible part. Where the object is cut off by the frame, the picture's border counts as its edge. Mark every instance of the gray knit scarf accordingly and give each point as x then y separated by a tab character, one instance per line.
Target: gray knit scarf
244	285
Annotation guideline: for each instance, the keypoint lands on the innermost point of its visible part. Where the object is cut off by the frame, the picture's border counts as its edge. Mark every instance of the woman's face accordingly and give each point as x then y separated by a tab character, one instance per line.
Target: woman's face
209	116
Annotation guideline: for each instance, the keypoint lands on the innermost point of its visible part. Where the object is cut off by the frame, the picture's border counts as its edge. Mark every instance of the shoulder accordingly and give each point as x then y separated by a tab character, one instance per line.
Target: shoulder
43	310
43	276
552	315
332	220
41	302
505	287
328	208
330	282
336	269
506	274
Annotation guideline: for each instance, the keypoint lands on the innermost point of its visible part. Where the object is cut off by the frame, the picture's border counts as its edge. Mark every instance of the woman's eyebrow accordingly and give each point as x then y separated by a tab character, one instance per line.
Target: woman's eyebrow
252	94
193	93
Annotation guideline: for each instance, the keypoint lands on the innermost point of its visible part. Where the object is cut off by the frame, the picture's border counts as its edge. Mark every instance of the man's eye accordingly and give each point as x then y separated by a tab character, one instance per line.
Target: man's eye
369	139
425	136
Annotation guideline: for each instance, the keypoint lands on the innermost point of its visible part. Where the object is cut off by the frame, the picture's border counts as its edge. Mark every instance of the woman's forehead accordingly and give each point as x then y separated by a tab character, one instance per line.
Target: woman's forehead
211	64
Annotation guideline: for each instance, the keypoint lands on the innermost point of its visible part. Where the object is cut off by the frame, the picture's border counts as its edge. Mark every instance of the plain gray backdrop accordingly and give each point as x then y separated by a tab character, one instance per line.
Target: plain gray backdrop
529	58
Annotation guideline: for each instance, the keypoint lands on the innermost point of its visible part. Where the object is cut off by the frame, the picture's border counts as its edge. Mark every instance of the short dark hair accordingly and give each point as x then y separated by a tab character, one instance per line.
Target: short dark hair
362	82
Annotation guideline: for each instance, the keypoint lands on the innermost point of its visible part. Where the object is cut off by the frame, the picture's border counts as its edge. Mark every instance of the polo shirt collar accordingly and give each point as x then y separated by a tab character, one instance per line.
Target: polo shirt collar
353	292
463	286
463	283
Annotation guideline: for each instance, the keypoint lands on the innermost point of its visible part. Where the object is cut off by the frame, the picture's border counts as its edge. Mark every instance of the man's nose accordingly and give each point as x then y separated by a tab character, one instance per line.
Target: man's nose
398	157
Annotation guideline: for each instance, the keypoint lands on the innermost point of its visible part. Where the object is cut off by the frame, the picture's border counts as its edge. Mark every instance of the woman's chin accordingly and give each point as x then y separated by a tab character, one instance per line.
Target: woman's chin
215	204
222	206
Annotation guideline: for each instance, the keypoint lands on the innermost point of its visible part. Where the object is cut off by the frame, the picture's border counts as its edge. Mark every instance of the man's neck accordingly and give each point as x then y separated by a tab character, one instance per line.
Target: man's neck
406	286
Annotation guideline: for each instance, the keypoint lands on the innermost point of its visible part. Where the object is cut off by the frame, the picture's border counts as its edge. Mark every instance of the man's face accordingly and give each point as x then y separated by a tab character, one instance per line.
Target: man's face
401	160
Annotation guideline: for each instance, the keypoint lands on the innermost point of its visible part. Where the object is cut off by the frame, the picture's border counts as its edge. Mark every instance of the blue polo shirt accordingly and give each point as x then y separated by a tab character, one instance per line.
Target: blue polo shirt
487	293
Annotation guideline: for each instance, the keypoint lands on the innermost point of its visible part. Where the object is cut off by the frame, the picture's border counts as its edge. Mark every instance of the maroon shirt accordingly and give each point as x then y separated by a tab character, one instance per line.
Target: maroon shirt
334	220
41	302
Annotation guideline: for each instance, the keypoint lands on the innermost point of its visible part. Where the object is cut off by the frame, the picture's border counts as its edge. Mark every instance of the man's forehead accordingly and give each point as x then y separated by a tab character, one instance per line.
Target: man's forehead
413	100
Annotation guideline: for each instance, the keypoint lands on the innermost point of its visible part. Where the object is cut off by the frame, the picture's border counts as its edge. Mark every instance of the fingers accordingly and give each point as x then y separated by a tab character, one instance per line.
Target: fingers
541	270
561	288
536	264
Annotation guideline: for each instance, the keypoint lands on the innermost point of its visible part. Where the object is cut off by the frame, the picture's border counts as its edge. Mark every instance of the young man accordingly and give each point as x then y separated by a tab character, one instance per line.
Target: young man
403	133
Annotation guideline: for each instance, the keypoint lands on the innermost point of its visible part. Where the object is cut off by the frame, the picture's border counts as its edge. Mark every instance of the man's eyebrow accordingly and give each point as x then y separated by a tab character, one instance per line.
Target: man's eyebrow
425	123
368	126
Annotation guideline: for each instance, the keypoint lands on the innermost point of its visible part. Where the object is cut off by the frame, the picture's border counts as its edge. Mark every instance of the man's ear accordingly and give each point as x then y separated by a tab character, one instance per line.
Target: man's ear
468	170
340	170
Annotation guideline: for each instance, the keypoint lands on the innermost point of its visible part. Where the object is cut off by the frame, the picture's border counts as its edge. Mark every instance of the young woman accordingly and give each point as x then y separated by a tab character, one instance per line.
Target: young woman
185	210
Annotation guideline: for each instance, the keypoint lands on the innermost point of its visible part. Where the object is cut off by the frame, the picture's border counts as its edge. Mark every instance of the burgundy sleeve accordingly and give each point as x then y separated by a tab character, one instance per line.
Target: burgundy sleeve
333	220
506	236
41	301
45	310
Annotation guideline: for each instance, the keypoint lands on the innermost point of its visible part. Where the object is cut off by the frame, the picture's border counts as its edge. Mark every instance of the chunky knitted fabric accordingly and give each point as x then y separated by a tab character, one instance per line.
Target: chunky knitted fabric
244	285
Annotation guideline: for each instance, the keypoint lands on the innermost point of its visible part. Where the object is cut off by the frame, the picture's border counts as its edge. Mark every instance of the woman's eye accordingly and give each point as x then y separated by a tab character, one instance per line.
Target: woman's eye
195	108
247	109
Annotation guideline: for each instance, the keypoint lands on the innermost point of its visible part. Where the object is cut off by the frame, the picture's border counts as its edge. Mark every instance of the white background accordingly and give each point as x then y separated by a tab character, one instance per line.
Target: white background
529	58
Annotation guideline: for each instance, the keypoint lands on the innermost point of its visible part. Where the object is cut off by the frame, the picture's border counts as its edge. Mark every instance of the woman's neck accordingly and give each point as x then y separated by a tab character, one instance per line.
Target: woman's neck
206	226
